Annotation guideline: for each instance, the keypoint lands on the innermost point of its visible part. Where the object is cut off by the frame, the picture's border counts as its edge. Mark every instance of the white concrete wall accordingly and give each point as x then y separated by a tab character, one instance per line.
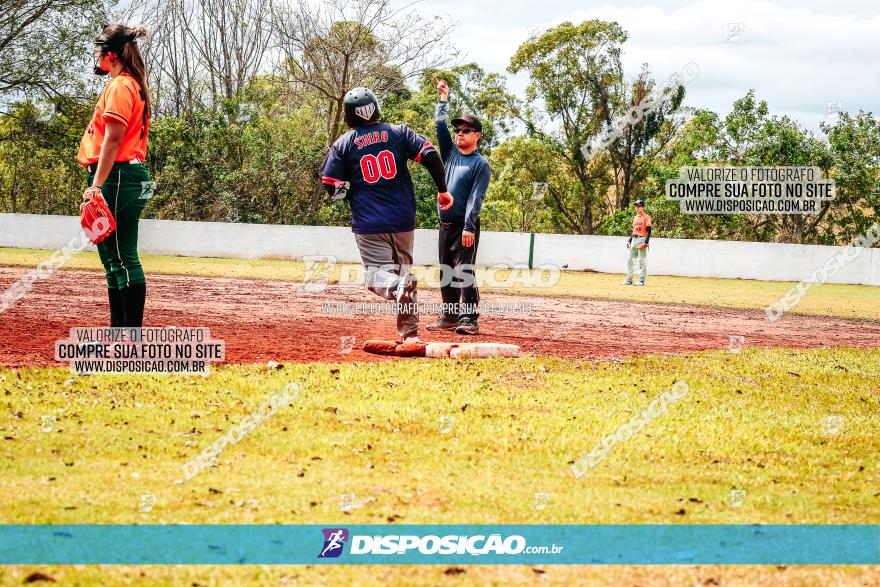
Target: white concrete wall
705	258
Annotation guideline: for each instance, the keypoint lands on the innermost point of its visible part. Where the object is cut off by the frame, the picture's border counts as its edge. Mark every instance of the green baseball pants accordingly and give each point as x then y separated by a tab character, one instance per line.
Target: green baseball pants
127	191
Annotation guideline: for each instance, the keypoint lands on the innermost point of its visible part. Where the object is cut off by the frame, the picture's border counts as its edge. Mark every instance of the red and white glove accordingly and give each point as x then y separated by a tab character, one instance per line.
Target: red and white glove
95	216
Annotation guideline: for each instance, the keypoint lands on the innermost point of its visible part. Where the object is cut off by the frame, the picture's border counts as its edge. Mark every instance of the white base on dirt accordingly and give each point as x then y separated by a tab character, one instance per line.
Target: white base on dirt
470	350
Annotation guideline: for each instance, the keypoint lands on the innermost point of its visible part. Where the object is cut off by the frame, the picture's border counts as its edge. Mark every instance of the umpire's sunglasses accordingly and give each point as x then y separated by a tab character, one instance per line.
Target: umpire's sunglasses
465	131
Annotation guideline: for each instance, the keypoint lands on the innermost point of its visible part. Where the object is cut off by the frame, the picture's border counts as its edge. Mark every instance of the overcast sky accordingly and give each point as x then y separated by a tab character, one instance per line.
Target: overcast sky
797	55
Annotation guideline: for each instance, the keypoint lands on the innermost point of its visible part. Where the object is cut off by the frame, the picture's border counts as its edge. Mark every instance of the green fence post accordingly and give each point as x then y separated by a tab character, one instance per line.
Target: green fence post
531	249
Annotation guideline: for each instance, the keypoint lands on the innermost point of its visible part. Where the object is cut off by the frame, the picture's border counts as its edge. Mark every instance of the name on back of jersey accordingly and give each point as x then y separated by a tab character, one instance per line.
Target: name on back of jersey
371	138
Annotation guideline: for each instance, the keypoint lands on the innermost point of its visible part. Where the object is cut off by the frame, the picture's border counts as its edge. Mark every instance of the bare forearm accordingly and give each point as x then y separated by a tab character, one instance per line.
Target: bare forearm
109	150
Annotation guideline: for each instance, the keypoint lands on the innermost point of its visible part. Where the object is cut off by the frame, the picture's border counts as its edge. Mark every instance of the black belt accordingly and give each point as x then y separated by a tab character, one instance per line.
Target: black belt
456	224
93	167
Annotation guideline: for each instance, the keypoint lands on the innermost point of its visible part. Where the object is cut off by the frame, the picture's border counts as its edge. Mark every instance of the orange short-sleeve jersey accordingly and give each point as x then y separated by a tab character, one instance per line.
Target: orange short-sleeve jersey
120	101
641	224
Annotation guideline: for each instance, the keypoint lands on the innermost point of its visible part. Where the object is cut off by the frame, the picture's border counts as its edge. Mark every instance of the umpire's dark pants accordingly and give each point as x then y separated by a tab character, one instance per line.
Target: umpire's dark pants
458	282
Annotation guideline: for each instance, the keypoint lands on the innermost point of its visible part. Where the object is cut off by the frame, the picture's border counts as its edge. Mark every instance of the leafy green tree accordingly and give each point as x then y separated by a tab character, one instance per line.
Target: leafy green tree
44	45
643	136
697	142
38	170
223	168
339	44
472	91
749	135
516	200
855	147
215	161
572	68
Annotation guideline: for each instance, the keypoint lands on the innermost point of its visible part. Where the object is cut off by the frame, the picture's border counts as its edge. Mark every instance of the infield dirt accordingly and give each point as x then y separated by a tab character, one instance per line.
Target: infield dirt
262	320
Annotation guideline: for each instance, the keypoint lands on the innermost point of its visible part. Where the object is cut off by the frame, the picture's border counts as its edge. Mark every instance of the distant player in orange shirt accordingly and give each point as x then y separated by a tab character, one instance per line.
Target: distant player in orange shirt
113	148
638	245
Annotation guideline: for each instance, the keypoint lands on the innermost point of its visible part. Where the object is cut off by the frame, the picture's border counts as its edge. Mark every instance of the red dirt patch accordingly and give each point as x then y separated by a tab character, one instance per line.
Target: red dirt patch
272	320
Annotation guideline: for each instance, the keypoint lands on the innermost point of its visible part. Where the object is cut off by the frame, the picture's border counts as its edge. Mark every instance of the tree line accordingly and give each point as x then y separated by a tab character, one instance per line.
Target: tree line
247	97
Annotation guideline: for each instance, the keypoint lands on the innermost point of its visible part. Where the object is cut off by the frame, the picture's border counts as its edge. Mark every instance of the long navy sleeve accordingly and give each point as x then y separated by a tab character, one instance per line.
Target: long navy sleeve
431	161
475	199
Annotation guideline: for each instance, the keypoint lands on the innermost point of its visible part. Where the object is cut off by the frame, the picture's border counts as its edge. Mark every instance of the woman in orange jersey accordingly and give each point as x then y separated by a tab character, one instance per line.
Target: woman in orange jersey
113	148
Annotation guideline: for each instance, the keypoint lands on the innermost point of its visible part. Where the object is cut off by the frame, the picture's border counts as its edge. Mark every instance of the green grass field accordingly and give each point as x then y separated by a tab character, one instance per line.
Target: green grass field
756	421
845	301
795	430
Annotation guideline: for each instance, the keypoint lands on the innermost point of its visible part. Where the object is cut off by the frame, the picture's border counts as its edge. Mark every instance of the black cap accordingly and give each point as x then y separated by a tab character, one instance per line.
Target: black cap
639	203
471	121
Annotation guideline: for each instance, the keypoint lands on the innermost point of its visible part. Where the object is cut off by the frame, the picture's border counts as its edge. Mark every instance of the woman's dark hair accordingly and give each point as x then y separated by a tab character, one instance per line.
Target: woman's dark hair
122	40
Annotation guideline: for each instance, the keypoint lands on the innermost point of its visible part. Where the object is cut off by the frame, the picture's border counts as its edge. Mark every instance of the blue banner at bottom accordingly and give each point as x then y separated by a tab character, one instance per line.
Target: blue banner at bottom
441	544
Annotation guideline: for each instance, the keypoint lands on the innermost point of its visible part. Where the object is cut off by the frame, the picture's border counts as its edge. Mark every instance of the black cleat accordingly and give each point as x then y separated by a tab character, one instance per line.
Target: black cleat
444	324
467	326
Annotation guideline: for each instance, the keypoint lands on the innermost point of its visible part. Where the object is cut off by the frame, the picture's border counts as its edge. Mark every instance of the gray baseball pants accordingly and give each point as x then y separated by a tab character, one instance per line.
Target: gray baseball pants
387	258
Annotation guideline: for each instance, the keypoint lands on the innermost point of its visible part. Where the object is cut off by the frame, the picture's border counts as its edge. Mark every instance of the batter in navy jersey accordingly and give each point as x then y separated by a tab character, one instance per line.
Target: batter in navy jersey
367	167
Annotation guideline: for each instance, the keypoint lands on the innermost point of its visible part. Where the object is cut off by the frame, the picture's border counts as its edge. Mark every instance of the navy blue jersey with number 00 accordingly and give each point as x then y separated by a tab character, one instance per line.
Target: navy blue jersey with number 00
373	160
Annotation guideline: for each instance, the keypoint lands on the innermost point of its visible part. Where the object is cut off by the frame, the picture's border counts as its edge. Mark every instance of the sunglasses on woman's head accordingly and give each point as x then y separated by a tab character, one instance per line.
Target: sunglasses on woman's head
466	131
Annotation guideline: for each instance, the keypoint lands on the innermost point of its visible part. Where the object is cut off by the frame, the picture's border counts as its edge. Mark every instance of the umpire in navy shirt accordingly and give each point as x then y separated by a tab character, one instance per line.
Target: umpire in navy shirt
467	177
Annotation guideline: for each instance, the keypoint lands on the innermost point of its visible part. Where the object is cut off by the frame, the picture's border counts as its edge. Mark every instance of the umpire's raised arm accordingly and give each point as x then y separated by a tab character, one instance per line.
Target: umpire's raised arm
444	141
